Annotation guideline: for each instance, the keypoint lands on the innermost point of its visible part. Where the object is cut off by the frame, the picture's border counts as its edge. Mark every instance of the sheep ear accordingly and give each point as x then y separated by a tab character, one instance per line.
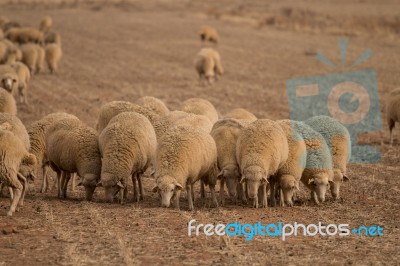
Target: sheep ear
99	184
20	176
120	184
33	177
311	181
346	178
297	187
331	182
178	186
80	183
220	175
29	159
155	189
243	180
264	180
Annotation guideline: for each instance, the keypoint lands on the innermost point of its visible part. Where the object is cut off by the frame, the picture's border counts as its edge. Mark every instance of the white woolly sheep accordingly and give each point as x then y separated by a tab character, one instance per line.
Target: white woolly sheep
393	111
13	155
200	106
53	56
338	139
71	147
208	65
52	37
111	109
153	104
7	103
37	133
261	150
225	133
8	78
208	33
185	155
241	114
318	172
33	57
45	24
127	145
289	175
25	35
24	77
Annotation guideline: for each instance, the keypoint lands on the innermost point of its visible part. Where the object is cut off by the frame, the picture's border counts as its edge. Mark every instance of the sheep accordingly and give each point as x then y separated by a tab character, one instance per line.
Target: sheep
53	56
200	106
7	103
8	78
9	52
52	37
45	24
241	114
208	65
318	173
71	147
338	140
32	54
127	145
261	150
289	175
111	109
13	155
24	77
153	104
225	133
37	133
25	35
393	111
208	33
185	155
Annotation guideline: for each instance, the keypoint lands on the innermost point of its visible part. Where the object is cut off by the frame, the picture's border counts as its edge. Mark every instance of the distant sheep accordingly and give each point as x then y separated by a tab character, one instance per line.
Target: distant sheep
338	140
185	155
25	35
200	106
241	115
33	57
153	104
393	111
208	33
53	56
7	103
24	77
8	78
261	150
208	65
45	24
128	146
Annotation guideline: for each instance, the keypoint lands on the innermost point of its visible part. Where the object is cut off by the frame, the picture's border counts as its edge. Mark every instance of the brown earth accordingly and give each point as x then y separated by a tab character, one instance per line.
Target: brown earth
122	50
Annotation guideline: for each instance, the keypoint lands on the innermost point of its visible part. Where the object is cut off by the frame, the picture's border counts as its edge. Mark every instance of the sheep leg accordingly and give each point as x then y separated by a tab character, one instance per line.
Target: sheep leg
189	196
73	182
243	194
202	190
281	200
314	197
214	201
221	191
10	190
123	192
391	126
141	188
272	192
45	180
59	183
17	195
177	196
255	202
264	196
67	177
192	190
24	183
135	188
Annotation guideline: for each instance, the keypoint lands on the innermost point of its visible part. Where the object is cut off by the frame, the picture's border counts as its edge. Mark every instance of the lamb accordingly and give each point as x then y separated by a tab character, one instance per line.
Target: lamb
8	78
13	155
46	24
393	111
53	56
208	33
24	77
127	145
289	175
71	147
25	35
208	65
200	106
37	133
52	37
241	115
153	104
111	109
318	172
32	57
261	150
185	155
337	138
225	133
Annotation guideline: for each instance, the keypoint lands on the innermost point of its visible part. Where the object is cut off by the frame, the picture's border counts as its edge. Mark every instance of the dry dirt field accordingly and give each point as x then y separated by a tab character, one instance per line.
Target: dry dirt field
122	50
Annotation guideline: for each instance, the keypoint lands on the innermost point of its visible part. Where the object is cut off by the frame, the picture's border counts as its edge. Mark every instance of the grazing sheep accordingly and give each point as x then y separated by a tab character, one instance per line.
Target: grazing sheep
208	33
153	104
53	56
261	150
200	106
25	35
318	172
185	155
337	138
393	111
8	78
127	145
45	24
225	133
208	65
24	77
33	57
241	114
71	147
111	109
289	175
13	155
37	134
52	37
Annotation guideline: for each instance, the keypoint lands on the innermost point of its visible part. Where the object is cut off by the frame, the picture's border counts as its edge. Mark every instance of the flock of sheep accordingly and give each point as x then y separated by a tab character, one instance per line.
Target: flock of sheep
251	157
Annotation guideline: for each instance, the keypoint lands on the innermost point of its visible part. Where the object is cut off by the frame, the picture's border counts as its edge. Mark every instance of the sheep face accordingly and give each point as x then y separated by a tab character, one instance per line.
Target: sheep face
111	190
8	83
288	185
89	181
338	178
254	177
231	175
28	166
320	184
167	188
